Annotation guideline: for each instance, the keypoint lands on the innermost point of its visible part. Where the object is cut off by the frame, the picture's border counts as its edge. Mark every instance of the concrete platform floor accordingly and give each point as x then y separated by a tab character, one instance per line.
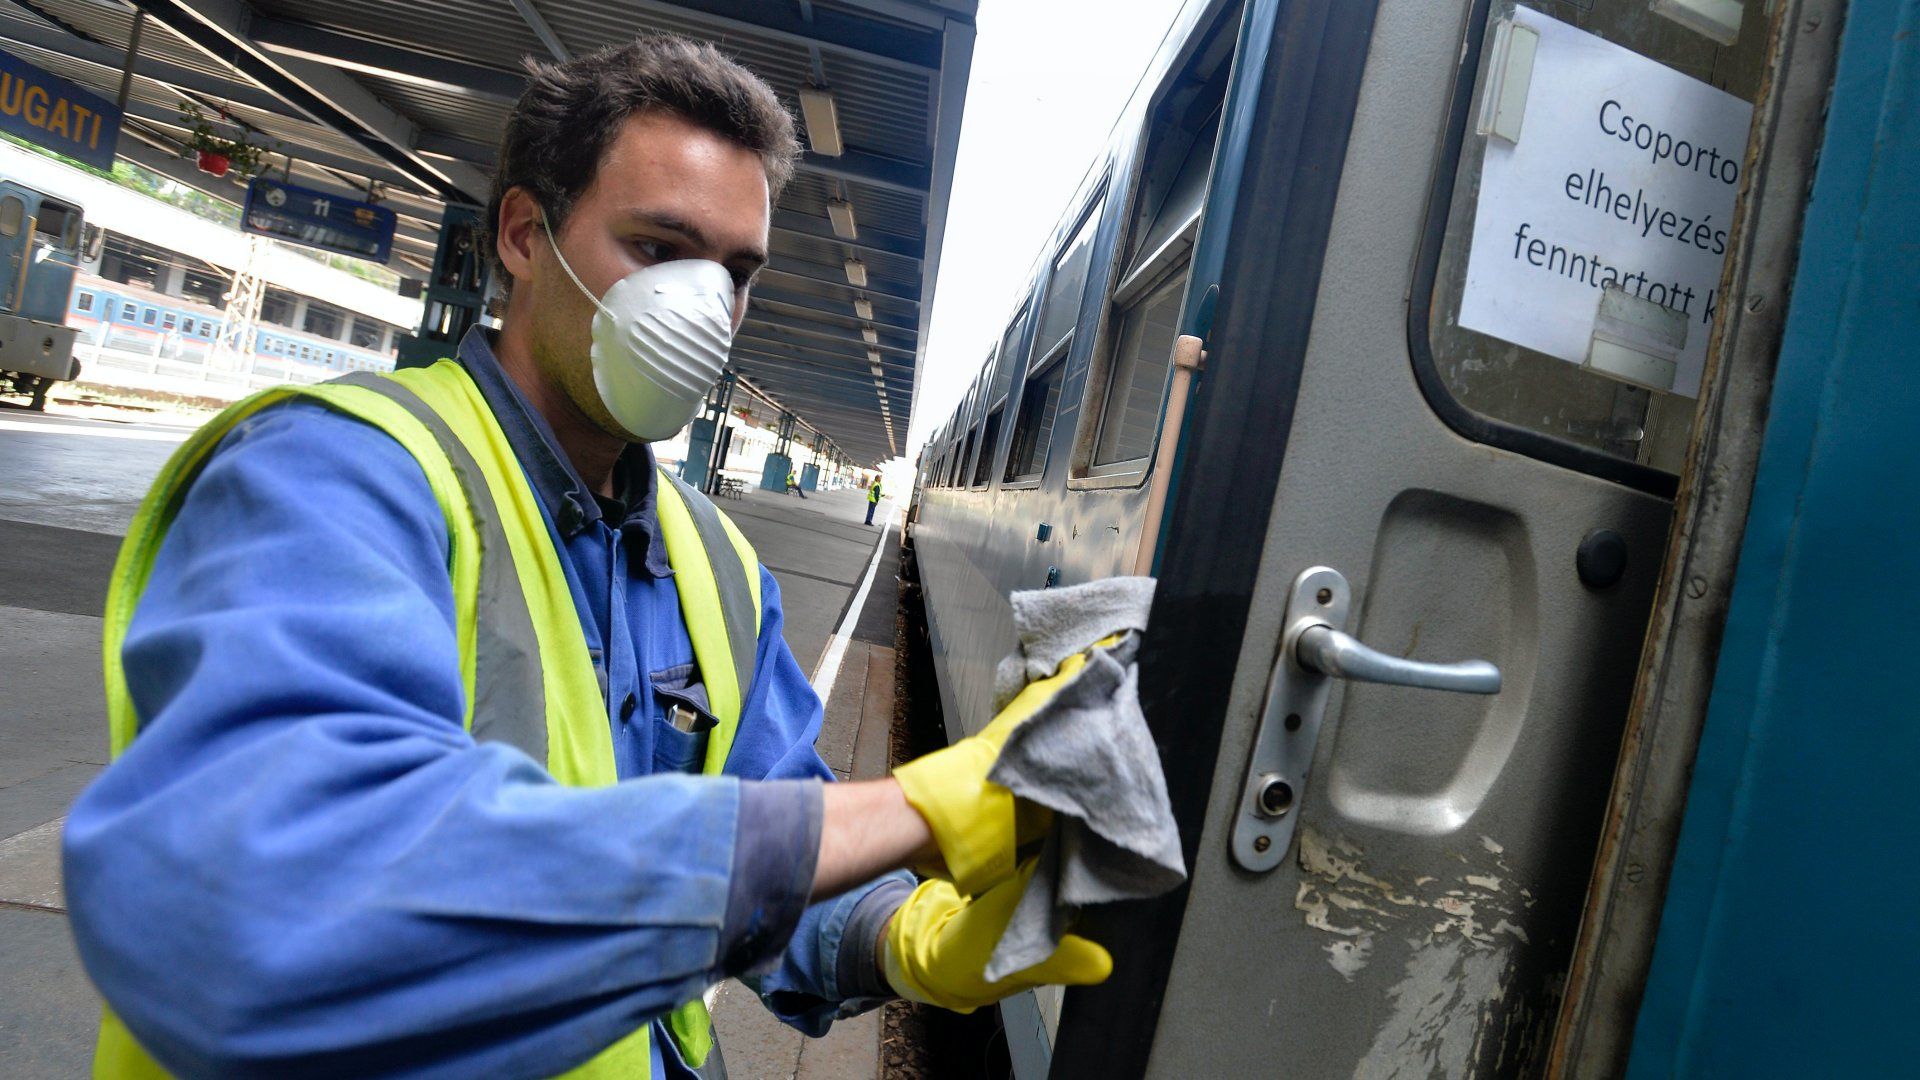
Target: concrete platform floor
68	488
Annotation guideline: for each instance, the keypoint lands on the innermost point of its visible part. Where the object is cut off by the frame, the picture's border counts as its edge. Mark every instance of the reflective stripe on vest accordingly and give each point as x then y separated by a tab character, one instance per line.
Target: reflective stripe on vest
524	664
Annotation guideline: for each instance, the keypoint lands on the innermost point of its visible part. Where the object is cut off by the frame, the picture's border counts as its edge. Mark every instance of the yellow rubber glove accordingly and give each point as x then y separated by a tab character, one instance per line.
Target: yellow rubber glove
938	944
976	822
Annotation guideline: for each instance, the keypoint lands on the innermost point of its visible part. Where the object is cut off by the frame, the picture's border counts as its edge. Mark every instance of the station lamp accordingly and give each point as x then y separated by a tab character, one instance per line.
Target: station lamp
863	308
822	118
856	273
870	335
873	357
840	212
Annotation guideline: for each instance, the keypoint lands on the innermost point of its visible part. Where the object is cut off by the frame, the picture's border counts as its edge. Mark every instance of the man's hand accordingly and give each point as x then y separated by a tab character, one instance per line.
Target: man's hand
937	946
979	825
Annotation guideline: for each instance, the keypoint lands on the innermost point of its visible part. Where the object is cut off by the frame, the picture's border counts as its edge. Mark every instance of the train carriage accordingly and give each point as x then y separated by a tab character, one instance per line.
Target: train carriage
1414	512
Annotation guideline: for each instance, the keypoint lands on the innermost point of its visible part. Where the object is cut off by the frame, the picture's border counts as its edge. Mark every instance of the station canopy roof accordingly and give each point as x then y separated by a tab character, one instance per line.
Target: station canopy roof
406	100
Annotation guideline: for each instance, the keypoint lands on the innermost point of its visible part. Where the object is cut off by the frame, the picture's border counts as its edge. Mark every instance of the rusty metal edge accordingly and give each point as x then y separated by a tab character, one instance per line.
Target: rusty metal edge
1594	1033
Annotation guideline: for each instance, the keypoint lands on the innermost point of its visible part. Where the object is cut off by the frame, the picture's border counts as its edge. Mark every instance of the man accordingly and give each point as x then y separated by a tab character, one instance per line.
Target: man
409	678
873	496
794	485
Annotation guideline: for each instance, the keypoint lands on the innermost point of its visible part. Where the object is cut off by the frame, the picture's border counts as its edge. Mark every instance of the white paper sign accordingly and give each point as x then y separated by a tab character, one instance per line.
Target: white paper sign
1624	174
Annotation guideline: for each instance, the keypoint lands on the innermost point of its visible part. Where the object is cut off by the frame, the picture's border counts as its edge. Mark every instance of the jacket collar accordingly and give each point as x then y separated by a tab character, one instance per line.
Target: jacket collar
569	502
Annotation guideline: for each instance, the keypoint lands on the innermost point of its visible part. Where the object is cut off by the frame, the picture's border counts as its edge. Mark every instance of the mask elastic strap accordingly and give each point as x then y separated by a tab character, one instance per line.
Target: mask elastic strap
548	229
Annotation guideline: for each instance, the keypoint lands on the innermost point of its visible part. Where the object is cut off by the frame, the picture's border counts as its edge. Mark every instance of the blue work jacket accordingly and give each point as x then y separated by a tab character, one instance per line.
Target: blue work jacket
304	865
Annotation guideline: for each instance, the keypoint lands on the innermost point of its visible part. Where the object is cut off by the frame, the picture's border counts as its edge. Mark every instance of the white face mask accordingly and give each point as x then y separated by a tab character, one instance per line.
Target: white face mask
660	340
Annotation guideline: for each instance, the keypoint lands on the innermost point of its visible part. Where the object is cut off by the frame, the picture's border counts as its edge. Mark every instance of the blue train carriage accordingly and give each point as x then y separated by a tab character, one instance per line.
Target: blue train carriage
1432	356
40	246
127	317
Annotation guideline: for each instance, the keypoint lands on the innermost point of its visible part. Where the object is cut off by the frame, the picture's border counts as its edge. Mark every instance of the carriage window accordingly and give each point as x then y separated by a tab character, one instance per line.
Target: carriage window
1140	361
1012	361
1053	338
12	213
83	301
58	225
966	456
148	316
1170	204
128	311
1033	424
1173	186
1559	326
1061	308
169	321
989	439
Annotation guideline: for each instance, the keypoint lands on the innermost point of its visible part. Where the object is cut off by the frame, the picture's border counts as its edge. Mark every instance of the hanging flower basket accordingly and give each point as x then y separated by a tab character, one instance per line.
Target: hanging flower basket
214	153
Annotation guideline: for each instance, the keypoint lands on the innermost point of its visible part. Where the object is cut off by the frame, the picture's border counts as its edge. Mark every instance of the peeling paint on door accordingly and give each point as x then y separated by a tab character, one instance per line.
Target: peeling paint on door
1459	934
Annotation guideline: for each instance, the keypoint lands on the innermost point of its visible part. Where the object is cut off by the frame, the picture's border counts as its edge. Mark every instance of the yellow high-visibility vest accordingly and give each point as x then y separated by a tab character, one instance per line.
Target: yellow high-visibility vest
522	650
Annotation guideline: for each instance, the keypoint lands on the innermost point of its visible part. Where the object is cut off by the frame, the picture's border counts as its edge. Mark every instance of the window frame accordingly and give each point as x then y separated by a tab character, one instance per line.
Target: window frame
1154	268
1172	260
1056	357
1090	213
1464	421
982	392
1001	365
989	428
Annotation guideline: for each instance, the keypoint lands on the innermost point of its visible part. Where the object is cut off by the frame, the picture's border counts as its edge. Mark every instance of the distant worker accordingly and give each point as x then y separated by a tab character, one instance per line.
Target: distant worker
794	485
454	737
873	497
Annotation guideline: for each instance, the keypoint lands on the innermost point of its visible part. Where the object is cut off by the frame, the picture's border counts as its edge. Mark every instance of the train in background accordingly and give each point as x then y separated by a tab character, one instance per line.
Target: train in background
41	242
135	319
1527	707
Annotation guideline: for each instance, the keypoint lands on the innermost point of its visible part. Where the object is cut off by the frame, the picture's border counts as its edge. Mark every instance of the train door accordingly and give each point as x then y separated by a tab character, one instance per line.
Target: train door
18	209
57	241
1422	506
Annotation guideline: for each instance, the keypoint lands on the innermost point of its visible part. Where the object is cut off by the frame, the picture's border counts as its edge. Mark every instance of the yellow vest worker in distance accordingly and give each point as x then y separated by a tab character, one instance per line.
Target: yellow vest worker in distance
452	737
873	498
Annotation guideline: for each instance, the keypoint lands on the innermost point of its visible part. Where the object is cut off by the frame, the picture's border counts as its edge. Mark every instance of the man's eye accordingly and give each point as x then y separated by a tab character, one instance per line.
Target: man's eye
655	251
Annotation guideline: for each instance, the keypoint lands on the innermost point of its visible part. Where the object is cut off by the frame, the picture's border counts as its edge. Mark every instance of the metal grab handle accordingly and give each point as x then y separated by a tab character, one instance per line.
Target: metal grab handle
1329	652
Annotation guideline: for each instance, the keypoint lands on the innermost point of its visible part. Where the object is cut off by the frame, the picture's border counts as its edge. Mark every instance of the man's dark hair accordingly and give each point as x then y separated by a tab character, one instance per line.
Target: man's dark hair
569	114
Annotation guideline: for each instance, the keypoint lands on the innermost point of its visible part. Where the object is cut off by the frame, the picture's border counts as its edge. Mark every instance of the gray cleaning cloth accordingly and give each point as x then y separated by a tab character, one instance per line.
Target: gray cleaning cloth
1087	756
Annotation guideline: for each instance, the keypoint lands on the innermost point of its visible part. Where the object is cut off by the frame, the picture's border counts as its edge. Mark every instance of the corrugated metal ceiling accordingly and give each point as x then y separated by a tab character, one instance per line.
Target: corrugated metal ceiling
413	94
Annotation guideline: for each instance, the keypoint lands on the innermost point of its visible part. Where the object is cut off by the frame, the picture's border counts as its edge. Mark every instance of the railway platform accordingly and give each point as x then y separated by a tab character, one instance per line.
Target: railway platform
70	490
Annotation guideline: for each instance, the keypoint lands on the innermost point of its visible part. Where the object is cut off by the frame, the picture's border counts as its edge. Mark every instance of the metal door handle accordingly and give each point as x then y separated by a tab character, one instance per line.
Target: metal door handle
1313	653
1329	652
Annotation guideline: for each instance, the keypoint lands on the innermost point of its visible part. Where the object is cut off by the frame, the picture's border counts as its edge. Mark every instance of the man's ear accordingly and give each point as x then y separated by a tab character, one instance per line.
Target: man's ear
518	232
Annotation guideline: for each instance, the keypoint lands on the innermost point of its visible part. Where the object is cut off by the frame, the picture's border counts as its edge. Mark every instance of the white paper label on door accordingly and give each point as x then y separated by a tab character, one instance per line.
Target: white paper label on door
1624	174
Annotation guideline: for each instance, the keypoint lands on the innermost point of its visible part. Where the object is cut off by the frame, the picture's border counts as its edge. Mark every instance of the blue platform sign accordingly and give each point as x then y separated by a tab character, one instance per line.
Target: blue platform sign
49	111
320	219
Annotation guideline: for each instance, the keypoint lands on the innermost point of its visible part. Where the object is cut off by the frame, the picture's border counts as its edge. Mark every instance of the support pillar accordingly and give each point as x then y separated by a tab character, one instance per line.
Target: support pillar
717	456
773	475
810	472
456	293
